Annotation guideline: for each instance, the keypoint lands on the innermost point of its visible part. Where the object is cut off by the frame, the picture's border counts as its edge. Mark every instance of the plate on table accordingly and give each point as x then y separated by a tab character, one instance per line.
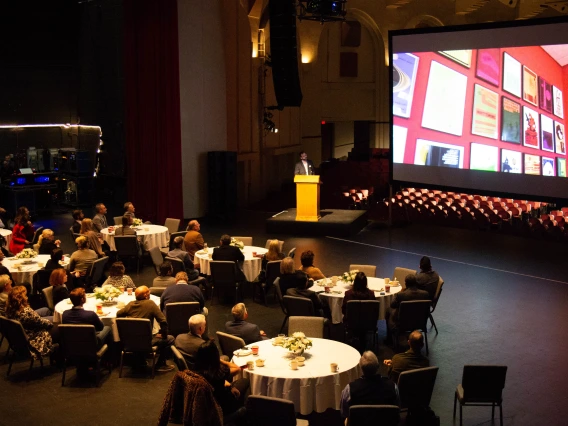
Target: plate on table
242	352
392	284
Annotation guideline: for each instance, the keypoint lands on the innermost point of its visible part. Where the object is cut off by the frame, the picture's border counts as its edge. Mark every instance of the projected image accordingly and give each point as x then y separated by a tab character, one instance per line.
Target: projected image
547	131
462	57
558	106
530	128
512	75
548	166
403	77
429	153
532	164
484	157
485	112
488	65
510	121
399	138
545	95
561	167
511	161
530	89
559	138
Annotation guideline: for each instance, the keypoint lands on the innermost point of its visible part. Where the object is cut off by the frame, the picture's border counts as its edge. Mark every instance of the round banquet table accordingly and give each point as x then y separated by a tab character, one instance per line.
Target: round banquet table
335	299
312	387
151	235
28	271
251	265
109	312
6	233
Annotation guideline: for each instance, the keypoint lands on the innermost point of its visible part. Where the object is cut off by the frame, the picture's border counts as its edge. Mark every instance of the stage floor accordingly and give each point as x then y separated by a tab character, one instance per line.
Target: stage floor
335	223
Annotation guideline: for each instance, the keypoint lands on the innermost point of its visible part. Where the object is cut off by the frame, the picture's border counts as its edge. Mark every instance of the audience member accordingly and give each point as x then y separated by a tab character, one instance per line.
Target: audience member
165	278
360	291
21	231
409	360
3	269
5	289
228	252
179	253
129	209
427	279
410	293
143	307
289	276
182	292
272	254
47	242
78	315
81	260
302	291
53	262
126	228
189	343
100	221
57	280
370	389
94	239
193	239
308	267
78	216
241	328
117	278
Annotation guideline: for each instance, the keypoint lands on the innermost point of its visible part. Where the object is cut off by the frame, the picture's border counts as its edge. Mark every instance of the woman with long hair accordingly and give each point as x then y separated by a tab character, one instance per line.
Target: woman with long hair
117	278
360	291
57	280
94	241
272	254
23	231
47	242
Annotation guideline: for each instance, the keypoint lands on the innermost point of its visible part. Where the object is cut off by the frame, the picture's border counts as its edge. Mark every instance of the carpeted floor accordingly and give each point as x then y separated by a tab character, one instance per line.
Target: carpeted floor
504	302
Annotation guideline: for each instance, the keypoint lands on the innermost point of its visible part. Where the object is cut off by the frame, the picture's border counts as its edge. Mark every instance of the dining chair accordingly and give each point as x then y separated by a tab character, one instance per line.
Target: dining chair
117	220
127	246
157	291
42	280
310	326
136	337
362	317
72	233
157	258
401	273
178	314
299	306
415	387
179	359
265	410
172	225
369	270
48	295
482	385
177	265
280	244
281	301
37	233
96	273
292	252
229	343
78	342
368	415
435	302
223	276
272	272
171	245
412	315
247	241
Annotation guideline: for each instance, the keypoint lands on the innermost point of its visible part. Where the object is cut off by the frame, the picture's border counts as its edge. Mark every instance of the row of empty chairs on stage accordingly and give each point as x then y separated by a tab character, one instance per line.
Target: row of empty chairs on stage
356	198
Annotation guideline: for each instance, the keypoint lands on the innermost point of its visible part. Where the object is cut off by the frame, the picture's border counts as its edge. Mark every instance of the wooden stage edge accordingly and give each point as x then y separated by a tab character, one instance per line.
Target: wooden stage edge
333	223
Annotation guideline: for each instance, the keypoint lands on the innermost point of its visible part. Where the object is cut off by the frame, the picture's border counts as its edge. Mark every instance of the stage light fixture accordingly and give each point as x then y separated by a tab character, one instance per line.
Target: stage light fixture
321	10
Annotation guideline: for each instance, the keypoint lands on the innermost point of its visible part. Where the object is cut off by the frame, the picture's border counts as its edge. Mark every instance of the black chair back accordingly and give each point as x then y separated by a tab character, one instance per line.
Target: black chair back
415	387
368	415
229	343
37	234
78	340
272	272
413	314
177	265
126	245
135	334
48	294
270	411
157	291
299	306
157	258
16	336
97	270
224	276
179	359
438	294
483	383
292	253
363	314
279	295
42	280
178	314
173	235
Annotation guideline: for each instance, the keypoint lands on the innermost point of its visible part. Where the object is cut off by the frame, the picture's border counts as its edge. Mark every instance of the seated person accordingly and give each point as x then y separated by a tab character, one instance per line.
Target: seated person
308	267
302	291
3	269
272	254
289	276
47	242
165	278
78	216
57	280
129	209
143	307
93	237
125	229
241	328
427	279
410	293
409	360
117	278
360	291
370	389
189	343
53	262
182	292
81	260
5	289
228	252
193	239
78	315
219	373
179	253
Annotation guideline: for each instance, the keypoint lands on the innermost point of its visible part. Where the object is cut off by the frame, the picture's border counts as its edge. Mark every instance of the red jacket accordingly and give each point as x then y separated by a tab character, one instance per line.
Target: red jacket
18	241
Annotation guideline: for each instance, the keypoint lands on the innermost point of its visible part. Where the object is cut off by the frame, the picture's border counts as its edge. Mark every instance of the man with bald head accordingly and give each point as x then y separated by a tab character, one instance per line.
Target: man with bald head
143	307
193	240
409	360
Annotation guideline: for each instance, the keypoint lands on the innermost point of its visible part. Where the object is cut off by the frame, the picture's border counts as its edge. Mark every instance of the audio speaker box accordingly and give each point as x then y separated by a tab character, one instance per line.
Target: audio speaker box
222	183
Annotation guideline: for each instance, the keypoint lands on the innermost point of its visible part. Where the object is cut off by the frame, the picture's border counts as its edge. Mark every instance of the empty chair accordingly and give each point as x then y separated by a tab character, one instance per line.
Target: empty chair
136	337
157	258
179	359
178	314
177	265
127	246
415	387
117	220
265	410
229	343
247	241
401	273
78	342
172	225
369	270
372	415
48	294
412	315
310	326
292	252
223	276
482	385
435	302
362	317
280	245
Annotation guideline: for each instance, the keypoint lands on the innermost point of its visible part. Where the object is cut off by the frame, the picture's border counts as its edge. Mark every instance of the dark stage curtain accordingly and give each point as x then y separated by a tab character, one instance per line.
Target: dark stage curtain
152	111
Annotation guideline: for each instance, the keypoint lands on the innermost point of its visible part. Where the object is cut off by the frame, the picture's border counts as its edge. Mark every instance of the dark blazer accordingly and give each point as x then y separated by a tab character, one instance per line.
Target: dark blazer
428	281
405	296
301	170
250	333
50	265
76	227
184	257
308	294
82	316
288	281
5	271
47	247
60	293
181	293
189	343
228	253
351	295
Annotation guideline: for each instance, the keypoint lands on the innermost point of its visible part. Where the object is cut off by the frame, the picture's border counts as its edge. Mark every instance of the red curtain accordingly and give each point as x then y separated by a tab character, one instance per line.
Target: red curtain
152	110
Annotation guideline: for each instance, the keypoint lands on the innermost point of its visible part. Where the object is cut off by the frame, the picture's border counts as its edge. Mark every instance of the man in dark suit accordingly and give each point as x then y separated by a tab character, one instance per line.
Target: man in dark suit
302	291
78	315
228	252
304	166
189	343
182	292
409	360
241	328
78	216
427	279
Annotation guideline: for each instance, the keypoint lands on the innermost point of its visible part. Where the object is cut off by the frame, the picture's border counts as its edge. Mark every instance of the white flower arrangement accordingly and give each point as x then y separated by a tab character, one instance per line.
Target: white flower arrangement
26	254
237	243
349	277
137	222
107	292
298	342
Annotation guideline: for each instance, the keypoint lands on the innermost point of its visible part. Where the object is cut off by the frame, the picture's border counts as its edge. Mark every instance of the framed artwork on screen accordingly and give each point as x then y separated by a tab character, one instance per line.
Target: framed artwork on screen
530	128
512	72
462	57
484	157
532	164
404	67
430	153
485	115
557	102
444	104
561	167
546	133
510	121
559	138
548	166
545	95
530	86
399	143
511	161
488	65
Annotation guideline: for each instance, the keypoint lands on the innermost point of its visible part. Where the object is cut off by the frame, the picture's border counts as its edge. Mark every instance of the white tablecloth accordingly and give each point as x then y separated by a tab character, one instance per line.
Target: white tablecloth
109	311
6	233
28	271
312	387
335	300
152	236
251	265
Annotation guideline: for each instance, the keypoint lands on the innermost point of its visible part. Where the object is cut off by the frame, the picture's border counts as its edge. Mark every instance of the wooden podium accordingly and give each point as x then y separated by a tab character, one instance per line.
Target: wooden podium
307	198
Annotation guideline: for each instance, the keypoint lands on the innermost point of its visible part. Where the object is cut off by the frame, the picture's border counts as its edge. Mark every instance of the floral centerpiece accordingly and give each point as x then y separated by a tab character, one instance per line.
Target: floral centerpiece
349	277
297	343
237	243
27	254
107	293
136	222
